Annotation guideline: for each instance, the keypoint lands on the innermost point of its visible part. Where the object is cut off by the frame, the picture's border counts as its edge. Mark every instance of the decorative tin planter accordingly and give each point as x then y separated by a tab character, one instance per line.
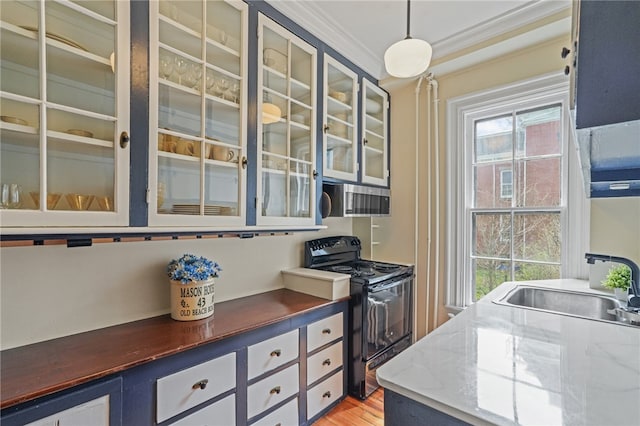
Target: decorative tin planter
192	301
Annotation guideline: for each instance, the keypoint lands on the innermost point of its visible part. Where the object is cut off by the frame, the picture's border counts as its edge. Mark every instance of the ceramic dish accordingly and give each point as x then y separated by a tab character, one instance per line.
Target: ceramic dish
339	96
13	120
57	37
80	132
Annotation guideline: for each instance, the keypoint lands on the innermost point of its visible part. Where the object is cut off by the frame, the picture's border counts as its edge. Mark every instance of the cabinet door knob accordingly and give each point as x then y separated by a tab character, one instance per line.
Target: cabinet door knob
565	52
327	394
124	139
315	174
365	141
325	128
326	361
276	352
326	331
244	162
201	384
275	391
567	70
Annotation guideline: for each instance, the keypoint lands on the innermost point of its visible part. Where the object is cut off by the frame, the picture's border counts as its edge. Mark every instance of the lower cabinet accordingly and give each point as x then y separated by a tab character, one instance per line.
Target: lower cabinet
286	373
95	404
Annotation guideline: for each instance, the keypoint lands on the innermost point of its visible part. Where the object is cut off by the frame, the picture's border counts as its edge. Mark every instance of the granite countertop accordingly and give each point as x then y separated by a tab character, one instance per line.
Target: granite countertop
32	371
495	364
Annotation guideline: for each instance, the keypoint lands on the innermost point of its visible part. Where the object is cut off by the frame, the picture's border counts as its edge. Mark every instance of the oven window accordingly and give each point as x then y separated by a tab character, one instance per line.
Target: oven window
388	315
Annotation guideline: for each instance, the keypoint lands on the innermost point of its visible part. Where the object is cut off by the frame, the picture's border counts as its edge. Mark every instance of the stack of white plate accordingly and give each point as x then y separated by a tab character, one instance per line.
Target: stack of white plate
209	209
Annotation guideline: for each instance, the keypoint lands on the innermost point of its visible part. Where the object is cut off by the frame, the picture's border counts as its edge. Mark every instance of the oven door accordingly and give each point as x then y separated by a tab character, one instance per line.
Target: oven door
387	314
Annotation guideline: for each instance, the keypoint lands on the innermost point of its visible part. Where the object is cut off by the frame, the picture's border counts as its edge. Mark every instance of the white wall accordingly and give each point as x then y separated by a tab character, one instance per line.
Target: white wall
53	291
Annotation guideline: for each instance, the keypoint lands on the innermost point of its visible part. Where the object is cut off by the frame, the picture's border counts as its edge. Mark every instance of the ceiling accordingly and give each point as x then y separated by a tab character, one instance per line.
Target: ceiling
361	30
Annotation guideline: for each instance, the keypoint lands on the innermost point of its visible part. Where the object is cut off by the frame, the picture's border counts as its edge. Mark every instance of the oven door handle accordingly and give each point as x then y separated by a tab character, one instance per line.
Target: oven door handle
384	286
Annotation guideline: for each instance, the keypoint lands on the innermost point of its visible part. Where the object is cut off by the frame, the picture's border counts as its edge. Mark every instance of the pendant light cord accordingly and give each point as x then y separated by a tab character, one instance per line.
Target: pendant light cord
408	18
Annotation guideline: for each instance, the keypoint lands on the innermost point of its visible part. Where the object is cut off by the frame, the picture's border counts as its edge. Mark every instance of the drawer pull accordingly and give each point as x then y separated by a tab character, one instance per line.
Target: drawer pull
326	331
326	362
327	394
275	390
276	352
201	384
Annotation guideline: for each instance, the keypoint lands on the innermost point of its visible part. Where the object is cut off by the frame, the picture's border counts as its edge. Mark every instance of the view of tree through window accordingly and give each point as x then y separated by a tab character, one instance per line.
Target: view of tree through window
517	194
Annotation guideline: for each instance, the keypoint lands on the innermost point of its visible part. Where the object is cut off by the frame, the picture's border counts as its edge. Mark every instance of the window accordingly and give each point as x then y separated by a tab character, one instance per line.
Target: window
506	183
509	179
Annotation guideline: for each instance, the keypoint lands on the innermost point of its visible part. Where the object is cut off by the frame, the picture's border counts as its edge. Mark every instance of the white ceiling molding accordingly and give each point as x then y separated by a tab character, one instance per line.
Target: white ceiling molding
309	15
519	42
512	20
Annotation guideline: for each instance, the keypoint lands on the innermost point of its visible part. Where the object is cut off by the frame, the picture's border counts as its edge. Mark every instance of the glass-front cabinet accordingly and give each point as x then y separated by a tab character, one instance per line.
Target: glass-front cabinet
374	163
64	102
340	133
286	127
197	114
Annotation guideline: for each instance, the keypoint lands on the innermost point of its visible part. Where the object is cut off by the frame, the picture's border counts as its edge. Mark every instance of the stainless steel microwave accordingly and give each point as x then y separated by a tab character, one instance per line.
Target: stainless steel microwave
356	200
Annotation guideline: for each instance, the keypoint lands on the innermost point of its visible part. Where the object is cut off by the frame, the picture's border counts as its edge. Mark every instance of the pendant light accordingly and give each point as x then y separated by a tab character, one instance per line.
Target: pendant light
409	57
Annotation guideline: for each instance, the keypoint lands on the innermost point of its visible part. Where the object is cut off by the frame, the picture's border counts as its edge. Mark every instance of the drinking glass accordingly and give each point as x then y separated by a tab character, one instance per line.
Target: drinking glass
11	196
210	81
181	65
223	85
166	66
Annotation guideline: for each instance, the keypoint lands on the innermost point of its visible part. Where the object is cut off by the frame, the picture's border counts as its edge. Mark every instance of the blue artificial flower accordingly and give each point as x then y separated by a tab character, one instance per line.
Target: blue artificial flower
192	268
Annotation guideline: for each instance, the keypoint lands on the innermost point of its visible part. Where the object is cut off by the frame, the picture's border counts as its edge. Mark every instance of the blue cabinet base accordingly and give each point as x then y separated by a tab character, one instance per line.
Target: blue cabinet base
402	411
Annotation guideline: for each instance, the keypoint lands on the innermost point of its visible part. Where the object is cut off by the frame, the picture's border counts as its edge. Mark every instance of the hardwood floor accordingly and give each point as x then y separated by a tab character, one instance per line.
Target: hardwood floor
353	412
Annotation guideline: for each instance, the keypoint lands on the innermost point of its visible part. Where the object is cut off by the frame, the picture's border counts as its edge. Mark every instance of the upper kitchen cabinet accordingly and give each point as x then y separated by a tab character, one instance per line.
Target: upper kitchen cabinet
286	127
607	61
606	56
197	116
64	97
340	133
375	146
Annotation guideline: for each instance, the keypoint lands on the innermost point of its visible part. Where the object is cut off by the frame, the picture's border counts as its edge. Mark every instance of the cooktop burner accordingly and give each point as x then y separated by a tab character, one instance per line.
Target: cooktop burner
342	255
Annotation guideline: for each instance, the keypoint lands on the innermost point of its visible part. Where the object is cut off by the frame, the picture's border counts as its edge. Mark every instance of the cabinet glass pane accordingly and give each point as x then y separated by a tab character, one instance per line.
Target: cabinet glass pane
374	154
19	154
200	108
70	129
287	108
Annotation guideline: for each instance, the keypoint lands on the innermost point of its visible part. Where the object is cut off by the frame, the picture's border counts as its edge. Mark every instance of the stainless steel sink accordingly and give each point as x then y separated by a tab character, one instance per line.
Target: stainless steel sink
584	305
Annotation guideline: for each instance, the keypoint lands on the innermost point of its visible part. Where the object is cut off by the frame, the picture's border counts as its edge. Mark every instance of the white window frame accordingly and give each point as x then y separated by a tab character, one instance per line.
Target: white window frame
503	186
543	90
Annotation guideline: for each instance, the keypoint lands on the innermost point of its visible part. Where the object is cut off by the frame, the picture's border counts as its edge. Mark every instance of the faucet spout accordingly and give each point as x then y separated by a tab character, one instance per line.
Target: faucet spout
633	300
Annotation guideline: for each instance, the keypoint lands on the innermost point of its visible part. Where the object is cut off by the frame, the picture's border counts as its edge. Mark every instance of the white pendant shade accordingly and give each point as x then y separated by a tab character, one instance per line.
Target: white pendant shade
271	113
407	58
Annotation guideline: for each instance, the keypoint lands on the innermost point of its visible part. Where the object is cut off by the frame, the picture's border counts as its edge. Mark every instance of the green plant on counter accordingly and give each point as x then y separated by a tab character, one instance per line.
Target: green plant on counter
618	277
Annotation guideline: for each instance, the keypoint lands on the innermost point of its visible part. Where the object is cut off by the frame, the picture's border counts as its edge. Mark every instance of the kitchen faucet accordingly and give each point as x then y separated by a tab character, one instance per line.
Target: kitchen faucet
633	299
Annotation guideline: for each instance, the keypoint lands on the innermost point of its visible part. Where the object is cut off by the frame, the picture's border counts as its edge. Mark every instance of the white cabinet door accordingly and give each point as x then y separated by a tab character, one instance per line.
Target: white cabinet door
374	162
64	97
222	412
340	133
192	386
324	362
272	390
272	353
287	415
94	413
324	331
197	117
286	127
324	394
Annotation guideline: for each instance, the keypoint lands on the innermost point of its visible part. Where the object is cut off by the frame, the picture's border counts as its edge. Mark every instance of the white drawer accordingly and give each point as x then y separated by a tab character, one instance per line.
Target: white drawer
324	331
287	415
222	412
272	353
324	394
324	362
271	390
188	388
